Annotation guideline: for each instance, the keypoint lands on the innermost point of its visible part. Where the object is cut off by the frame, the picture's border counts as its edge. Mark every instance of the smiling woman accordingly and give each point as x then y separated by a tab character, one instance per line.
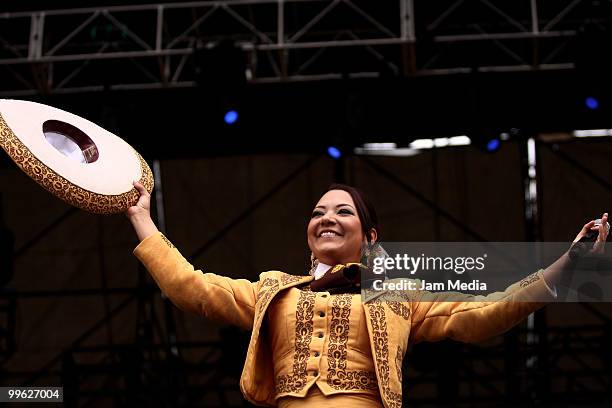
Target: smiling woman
315	344
341	224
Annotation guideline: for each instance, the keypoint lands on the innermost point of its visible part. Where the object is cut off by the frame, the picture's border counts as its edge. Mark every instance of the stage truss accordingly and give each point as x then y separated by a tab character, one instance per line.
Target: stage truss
152	46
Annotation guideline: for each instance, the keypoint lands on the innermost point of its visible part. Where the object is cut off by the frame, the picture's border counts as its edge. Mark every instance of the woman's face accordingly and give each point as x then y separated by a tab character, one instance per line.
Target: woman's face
334	231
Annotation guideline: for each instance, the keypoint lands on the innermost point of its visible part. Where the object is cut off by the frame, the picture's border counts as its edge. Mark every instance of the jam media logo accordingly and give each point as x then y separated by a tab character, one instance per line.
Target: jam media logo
412	284
412	264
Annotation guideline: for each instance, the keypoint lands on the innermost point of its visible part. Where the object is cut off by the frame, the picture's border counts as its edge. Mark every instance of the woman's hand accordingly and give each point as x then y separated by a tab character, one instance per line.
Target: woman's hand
560	271
142	208
604	230
140	214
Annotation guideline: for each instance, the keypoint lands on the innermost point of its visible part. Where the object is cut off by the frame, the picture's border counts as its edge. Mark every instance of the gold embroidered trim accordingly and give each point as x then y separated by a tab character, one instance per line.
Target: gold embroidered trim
381	348
62	188
268	288
167	241
304	327
398	362
399	309
529	280
338	377
287	279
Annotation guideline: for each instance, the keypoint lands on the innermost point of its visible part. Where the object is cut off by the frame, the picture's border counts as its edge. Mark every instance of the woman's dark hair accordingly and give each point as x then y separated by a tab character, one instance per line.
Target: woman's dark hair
365	209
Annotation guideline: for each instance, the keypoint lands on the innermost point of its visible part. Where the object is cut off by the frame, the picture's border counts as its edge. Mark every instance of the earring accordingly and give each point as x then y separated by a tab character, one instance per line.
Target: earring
314	262
366	251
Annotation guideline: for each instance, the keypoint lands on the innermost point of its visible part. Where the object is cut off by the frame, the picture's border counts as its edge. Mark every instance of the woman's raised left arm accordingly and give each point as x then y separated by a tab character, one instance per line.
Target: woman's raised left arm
469	318
557	272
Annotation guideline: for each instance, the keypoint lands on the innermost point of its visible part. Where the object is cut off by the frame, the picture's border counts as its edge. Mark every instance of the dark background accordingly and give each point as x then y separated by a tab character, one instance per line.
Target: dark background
78	311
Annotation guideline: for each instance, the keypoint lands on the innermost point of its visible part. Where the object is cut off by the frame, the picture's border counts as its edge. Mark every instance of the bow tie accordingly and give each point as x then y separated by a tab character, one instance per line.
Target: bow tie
342	278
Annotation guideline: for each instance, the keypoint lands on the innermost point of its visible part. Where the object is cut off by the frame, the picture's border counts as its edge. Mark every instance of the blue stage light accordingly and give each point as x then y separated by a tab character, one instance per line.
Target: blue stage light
334	152
591	103
231	117
493	145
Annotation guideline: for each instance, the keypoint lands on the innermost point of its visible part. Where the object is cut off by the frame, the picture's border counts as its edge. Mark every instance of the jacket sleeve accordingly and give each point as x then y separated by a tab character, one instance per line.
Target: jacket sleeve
215	297
469	318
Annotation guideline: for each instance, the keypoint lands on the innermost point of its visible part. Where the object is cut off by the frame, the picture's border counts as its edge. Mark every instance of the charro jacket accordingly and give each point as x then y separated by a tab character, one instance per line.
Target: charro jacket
390	324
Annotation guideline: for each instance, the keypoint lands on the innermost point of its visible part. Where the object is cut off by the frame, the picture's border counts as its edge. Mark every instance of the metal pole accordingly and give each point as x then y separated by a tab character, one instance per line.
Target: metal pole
161	225
535	29
536	322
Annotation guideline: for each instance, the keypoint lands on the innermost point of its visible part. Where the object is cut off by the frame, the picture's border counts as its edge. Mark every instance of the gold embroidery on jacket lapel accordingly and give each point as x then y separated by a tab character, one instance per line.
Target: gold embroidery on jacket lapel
287	279
399	309
338	377
381	347
304	327
398	362
268	288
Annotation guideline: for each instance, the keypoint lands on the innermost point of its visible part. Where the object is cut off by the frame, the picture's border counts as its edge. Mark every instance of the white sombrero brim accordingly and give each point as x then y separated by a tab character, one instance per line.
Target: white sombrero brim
103	186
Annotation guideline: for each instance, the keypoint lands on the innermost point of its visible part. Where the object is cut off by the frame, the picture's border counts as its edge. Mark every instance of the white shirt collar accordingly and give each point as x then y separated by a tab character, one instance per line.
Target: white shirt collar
321	269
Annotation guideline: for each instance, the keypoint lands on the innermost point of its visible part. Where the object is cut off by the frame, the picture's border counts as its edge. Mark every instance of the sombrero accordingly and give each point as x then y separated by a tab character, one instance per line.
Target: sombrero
71	157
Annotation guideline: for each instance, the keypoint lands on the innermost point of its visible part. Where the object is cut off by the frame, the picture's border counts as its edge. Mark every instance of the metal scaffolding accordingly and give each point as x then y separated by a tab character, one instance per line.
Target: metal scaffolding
152	46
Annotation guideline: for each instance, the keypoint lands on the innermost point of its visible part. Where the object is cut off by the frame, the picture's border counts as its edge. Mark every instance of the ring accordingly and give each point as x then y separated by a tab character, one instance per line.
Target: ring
71	157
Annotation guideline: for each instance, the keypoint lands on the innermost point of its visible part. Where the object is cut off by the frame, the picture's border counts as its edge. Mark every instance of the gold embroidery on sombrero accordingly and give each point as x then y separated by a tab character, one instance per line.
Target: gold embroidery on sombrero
59	186
338	377
304	327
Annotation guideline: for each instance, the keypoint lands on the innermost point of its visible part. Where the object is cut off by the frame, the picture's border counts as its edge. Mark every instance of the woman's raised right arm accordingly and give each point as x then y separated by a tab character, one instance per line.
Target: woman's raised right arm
216	297
140	214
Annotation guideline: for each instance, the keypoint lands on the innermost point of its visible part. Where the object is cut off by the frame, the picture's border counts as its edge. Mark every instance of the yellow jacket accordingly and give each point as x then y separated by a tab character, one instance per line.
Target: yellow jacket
391	324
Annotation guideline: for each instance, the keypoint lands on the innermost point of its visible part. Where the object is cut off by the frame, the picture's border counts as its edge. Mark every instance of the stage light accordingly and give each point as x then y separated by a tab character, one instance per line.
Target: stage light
592	133
334	152
230	117
423	144
385	149
380	146
462	140
591	103
493	145
440	142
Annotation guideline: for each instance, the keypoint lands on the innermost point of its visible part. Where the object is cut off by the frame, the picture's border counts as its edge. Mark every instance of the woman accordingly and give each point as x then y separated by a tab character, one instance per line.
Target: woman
320	345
